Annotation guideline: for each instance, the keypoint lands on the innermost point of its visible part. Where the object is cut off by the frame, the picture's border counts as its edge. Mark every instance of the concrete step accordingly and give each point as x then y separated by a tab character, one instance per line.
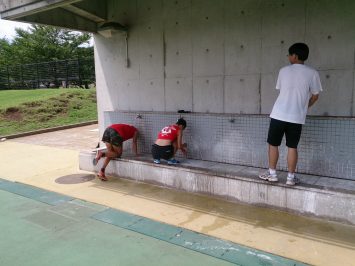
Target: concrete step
323	197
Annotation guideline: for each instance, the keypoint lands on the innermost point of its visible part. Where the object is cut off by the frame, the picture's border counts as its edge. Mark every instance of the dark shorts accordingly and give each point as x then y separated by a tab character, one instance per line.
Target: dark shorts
162	152
277	130
111	136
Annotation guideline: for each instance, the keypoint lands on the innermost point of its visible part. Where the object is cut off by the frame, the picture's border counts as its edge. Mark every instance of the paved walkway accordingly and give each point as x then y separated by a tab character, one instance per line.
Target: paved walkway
89	219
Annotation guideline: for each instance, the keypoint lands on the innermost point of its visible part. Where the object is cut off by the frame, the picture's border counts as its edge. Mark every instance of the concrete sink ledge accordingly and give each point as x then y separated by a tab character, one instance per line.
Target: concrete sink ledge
329	198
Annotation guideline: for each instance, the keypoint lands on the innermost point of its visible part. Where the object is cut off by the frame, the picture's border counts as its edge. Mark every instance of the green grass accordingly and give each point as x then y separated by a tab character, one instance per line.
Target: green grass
27	110
10	98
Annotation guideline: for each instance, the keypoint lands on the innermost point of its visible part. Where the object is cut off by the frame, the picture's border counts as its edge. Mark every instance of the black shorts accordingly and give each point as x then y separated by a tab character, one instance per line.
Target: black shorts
277	130
111	136
162	152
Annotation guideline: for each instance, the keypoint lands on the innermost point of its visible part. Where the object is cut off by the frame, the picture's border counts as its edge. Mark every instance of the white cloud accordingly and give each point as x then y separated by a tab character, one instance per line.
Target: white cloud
7	28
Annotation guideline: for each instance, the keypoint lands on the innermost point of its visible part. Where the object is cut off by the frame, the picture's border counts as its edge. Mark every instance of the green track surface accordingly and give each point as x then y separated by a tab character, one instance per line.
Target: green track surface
44	228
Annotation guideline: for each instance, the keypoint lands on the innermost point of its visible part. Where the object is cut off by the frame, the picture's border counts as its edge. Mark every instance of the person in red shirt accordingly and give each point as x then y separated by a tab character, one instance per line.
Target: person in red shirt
113	137
168	142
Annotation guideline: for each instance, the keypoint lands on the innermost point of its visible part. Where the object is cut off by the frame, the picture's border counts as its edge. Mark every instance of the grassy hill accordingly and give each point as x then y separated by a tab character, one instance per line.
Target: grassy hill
27	110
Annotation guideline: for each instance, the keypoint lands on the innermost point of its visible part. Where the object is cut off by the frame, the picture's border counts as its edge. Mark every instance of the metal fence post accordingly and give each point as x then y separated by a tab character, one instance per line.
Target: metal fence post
8	78
67	69
55	74
37	75
22	84
79	71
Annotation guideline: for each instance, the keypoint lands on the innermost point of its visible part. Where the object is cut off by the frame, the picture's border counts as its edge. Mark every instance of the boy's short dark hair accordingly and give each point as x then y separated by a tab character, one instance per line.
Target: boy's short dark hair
300	49
181	121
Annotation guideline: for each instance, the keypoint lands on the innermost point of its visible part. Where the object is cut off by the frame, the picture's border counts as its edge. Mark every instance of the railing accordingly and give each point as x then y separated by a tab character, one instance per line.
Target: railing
54	74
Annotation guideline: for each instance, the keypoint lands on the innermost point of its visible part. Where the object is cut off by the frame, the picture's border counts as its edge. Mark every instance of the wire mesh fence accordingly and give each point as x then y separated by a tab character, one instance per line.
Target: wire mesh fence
54	74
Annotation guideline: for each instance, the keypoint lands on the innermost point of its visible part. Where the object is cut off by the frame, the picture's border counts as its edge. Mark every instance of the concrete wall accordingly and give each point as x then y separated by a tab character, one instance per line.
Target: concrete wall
223	56
216	58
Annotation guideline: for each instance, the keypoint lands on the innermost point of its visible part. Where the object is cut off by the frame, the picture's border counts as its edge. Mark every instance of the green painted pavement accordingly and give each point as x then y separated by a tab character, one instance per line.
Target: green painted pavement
33	192
41	228
35	234
225	250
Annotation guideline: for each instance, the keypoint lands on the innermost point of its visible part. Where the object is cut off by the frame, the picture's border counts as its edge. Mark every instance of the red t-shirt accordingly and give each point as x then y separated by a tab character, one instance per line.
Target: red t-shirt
169	132
125	131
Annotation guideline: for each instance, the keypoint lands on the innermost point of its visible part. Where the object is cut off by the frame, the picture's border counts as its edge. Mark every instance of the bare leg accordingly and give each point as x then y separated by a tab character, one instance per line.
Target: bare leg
111	153
273	156
175	147
292	157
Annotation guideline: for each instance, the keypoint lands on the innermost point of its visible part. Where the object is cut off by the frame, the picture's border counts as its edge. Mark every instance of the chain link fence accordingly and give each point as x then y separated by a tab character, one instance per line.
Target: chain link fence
55	74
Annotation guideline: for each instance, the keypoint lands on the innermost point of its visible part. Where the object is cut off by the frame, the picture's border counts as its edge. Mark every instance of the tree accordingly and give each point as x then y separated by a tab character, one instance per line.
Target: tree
44	43
5	51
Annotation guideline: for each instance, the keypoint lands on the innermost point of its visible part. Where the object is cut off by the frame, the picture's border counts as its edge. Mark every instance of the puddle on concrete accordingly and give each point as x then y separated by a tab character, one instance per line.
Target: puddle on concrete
276	220
75	179
217	224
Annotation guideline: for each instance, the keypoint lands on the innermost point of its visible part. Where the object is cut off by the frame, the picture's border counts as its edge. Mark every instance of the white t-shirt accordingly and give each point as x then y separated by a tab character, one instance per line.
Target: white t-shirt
296	83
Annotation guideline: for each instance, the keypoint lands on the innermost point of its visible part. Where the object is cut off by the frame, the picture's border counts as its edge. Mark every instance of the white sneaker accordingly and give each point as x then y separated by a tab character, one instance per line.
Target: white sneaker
291	181
268	177
156	161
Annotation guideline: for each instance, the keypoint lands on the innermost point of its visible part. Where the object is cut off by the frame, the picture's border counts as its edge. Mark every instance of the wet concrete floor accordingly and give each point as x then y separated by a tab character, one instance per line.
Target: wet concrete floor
43	160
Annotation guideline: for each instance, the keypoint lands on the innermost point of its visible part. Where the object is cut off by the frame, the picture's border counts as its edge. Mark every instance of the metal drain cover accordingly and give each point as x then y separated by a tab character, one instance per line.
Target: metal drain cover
75	179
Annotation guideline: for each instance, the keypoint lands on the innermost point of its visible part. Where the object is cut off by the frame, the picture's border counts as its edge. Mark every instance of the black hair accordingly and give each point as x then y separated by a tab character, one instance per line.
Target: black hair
181	121
300	49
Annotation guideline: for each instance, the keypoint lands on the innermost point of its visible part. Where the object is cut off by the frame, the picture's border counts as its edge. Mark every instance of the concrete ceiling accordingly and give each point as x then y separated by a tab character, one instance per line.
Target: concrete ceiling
82	15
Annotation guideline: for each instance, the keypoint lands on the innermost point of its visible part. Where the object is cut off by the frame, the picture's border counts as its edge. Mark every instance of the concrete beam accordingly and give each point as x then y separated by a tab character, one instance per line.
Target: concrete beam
63	19
13	10
10	4
83	13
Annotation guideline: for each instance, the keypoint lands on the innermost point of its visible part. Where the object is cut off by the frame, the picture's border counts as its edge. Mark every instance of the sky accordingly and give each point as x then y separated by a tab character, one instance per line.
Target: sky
7	28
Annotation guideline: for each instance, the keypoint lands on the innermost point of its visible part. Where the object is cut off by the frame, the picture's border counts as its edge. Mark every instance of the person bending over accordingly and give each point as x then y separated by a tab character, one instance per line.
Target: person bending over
113	137
169	141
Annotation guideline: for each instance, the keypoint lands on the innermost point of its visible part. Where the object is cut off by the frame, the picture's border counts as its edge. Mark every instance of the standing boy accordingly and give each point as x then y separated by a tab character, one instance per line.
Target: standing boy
299	87
113	137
